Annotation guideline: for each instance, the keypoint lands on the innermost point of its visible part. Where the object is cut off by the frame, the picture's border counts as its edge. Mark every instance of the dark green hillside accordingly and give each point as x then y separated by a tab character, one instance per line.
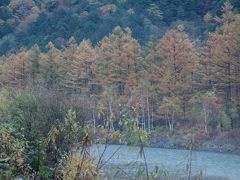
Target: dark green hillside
24	23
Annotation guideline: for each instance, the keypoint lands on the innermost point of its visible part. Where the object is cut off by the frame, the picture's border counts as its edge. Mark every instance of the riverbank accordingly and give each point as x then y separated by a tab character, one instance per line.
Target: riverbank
213	145
227	142
219	142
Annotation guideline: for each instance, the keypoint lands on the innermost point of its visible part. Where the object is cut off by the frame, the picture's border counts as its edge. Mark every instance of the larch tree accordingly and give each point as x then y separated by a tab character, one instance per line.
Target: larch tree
150	75
81	68
17	70
205	70
119	55
34	63
69	55
51	66
178	61
224	56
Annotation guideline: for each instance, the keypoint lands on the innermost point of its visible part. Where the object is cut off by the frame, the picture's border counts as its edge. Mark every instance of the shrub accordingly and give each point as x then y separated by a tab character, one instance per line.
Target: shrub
23	111
12	152
77	166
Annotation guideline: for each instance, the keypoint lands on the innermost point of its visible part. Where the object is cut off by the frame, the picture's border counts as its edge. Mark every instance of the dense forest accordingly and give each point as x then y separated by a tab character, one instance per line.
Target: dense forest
166	69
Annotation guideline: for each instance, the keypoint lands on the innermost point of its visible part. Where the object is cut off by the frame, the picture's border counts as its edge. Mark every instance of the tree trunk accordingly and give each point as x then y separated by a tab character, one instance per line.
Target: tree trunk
94	120
184	108
152	115
172	121
110	110
229	88
149	118
143	113
205	120
169	124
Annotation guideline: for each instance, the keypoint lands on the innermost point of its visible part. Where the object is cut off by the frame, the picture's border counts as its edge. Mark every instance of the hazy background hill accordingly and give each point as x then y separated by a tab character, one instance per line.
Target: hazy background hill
24	23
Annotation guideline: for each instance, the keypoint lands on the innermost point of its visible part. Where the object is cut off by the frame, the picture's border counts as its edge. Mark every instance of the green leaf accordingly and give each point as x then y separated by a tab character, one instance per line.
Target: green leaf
140	151
4	160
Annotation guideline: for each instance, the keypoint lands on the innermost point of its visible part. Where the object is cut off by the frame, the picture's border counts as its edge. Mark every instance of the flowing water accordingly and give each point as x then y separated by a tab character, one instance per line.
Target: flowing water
211	164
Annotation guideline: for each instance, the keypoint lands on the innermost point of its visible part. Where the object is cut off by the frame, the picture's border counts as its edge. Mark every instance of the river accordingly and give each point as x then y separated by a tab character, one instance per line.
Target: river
211	164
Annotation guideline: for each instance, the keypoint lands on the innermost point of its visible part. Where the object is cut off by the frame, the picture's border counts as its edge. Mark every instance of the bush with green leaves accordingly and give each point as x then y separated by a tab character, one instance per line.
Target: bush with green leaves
21	156
23	111
13	148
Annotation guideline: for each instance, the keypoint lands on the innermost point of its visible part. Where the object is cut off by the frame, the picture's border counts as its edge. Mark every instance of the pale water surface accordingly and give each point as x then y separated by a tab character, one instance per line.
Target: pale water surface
212	164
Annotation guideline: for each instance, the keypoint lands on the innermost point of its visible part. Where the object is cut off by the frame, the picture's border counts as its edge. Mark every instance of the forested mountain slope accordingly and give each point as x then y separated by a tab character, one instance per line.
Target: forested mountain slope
24	23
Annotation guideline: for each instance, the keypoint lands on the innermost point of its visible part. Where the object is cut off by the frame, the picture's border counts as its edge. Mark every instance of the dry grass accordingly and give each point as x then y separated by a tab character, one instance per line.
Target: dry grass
76	166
